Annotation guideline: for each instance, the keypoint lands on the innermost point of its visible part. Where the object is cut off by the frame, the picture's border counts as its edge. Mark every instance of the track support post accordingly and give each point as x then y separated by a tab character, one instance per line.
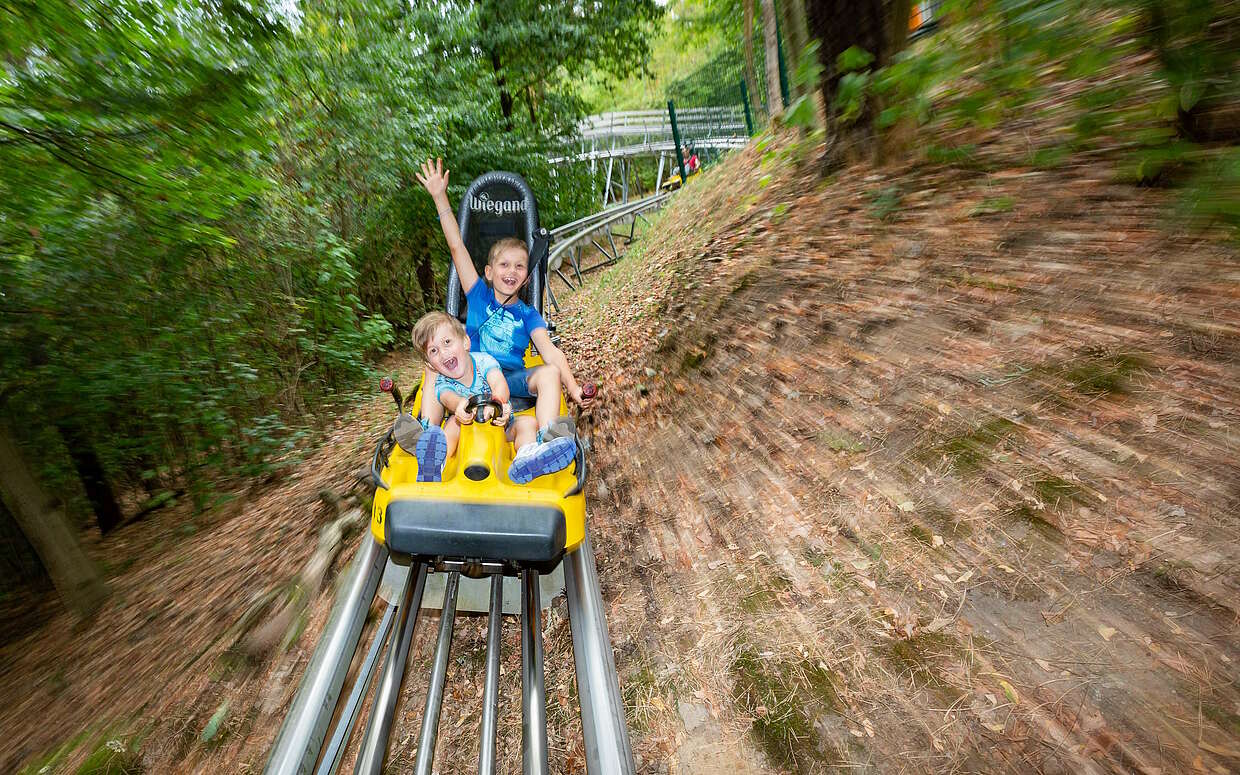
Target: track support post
680	157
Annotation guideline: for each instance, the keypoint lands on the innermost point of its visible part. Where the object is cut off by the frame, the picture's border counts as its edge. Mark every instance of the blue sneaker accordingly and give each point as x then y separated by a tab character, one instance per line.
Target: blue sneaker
431	450
535	460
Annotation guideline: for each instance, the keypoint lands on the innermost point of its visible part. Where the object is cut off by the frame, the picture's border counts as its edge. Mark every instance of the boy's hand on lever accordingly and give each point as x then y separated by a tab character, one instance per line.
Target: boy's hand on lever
434	178
584	395
463	415
502	419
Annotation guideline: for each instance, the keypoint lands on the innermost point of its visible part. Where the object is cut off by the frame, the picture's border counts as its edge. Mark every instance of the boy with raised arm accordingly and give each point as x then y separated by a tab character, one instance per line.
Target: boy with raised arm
501	325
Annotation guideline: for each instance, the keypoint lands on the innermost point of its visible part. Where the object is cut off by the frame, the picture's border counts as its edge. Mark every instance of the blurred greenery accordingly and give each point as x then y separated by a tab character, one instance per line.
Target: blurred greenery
696	58
209	222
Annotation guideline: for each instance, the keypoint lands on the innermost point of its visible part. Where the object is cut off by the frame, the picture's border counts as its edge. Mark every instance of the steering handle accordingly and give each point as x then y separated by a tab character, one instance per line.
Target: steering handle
478	403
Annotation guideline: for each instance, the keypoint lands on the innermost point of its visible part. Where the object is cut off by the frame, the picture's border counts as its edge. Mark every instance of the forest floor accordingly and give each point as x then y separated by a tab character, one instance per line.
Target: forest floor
925	468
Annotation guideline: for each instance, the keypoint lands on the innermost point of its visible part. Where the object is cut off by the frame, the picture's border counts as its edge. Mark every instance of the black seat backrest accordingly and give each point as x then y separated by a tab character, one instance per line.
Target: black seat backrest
498	205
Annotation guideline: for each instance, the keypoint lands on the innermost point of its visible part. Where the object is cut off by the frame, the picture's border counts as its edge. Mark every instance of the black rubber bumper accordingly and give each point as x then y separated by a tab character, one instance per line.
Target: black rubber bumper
518	534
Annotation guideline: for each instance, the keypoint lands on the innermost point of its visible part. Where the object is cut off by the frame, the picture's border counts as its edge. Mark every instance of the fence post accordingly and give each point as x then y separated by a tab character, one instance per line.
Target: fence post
680	157
745	101
783	64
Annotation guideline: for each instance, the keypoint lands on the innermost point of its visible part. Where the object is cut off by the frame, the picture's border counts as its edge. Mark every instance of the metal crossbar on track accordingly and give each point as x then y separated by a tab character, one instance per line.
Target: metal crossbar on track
651	149
299	744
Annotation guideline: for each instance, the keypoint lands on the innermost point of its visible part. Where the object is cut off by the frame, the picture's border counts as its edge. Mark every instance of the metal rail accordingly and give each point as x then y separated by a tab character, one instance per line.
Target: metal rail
533	690
627	123
344	728
439	669
301	736
379	729
568	246
602	708
652	147
490	694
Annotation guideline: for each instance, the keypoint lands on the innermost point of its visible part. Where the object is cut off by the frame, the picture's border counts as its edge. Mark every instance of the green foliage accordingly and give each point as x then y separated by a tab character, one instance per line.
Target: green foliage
850	96
1085	67
885	202
209	221
852	60
696	58
115	756
801	113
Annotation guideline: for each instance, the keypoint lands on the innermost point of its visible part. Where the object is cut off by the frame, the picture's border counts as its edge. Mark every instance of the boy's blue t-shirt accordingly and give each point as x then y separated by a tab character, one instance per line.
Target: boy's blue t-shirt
483	363
502	331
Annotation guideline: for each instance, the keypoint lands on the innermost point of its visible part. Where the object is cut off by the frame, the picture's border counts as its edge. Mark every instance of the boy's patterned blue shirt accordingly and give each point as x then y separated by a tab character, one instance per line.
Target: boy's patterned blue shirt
501	331
483	363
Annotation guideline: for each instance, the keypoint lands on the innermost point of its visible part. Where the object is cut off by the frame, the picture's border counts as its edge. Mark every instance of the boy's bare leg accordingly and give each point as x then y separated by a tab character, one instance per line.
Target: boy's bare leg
523	431
452	430
428	396
545	385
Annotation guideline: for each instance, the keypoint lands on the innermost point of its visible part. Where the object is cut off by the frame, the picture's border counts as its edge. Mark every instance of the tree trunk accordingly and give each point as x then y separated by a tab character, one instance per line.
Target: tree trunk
81	452
839	24
43	521
505	98
792	52
751	80
426	279
529	102
774	100
897	14
792	24
799	22
94	479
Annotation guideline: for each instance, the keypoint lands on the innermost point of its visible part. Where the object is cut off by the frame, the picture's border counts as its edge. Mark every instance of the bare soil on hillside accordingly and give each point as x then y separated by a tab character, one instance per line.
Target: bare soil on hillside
148	672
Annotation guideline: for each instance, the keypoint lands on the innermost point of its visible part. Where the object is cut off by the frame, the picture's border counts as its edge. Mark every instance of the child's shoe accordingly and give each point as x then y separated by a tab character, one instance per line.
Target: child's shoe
563	427
407	430
535	460
431	450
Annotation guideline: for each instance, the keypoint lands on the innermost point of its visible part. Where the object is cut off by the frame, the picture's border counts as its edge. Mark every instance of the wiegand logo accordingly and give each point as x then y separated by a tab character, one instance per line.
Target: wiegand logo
483	203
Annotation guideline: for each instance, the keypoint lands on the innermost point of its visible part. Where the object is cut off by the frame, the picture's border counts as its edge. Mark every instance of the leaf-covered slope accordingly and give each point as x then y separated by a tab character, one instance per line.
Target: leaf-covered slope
920	468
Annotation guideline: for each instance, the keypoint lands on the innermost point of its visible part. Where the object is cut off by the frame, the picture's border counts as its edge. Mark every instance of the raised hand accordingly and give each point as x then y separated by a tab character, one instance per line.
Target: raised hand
433	177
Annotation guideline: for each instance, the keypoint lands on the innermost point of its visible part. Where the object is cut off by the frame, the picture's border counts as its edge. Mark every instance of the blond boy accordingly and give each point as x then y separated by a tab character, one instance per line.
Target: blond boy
500	324
454	373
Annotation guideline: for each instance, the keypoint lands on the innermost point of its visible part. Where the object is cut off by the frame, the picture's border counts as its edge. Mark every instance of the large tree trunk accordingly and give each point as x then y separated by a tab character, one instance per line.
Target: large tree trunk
774	99
751	80
43	521
868	25
897	15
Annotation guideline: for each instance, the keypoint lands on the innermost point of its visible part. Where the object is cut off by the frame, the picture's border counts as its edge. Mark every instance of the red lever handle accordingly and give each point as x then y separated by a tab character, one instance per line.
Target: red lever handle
385	384
589	390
